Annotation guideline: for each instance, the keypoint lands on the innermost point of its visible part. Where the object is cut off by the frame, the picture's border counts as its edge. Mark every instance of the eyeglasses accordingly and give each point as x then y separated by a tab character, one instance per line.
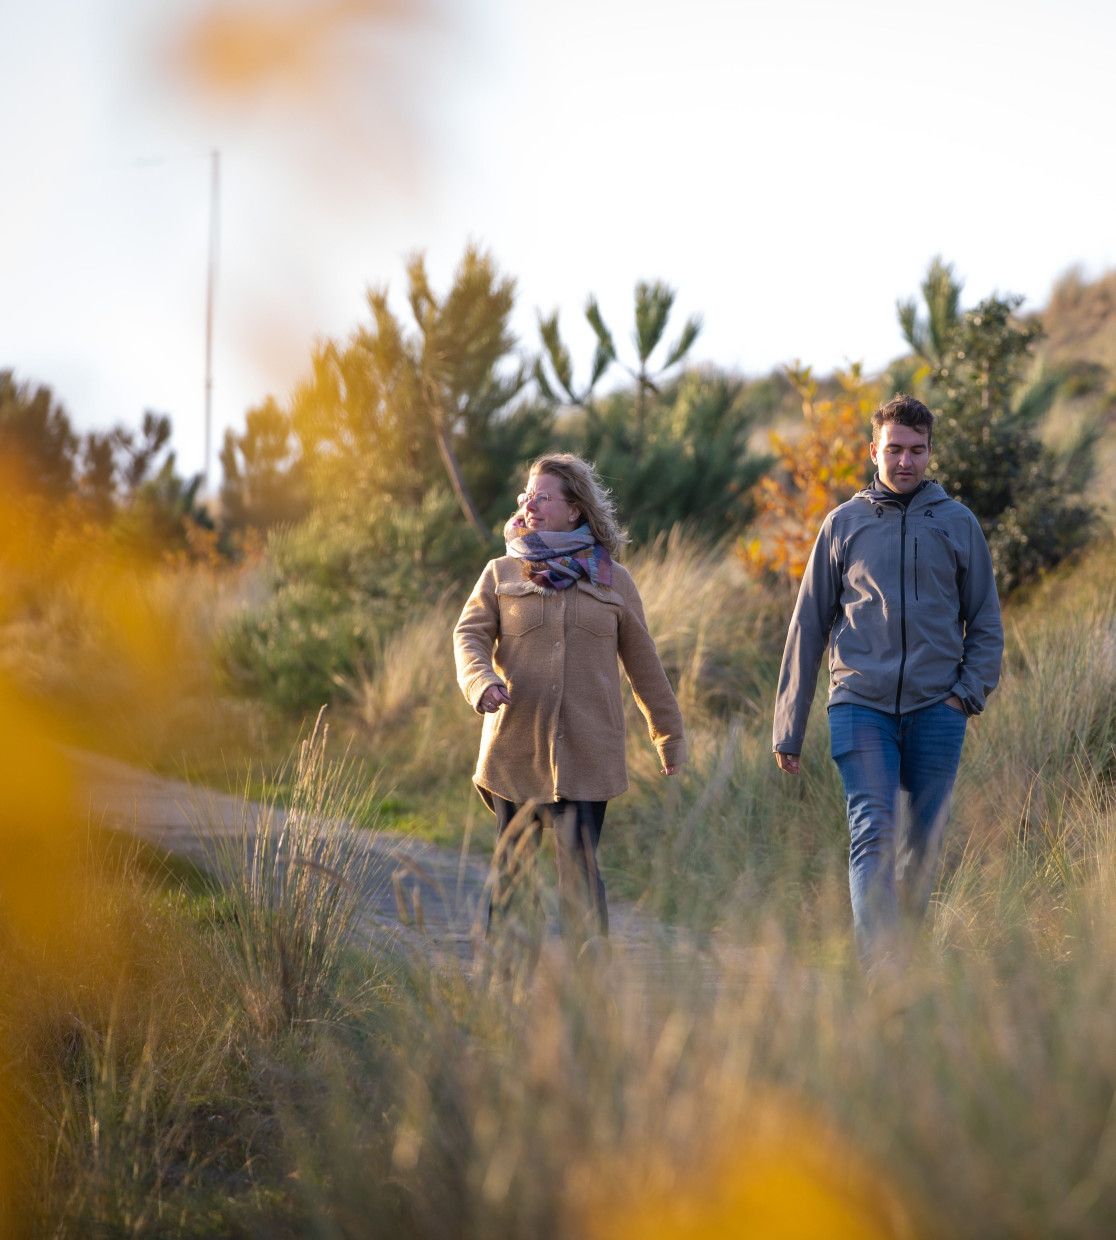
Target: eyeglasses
534	497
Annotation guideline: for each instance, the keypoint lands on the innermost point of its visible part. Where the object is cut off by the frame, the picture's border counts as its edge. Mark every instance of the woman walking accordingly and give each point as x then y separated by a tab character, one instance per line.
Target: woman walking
536	648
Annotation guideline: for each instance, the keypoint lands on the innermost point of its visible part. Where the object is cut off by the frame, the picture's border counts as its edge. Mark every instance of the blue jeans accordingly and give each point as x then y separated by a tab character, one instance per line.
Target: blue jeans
898	773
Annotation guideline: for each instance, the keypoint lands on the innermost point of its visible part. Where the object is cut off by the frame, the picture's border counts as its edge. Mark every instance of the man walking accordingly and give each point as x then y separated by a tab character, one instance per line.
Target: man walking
900	588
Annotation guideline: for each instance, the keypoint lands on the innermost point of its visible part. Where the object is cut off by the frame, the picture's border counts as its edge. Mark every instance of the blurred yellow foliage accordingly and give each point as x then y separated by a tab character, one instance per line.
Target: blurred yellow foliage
36	892
65	952
814	472
793	1177
236	49
85	607
37	812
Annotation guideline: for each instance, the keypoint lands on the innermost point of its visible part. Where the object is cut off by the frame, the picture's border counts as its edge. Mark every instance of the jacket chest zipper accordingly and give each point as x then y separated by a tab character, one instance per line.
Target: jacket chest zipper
916	567
902	606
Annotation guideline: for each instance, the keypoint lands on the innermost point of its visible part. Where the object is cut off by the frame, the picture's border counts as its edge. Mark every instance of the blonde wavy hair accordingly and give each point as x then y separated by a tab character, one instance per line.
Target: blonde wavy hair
583	487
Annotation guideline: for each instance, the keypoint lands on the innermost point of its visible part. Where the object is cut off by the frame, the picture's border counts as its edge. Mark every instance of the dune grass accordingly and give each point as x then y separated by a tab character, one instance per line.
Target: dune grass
227	1061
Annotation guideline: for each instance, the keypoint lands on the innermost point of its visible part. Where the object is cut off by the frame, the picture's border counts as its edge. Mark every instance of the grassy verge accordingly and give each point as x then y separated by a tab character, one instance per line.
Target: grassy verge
185	1060
240	1070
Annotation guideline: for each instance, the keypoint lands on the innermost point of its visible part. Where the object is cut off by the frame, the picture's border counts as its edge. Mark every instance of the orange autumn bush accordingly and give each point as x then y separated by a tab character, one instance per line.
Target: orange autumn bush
813	472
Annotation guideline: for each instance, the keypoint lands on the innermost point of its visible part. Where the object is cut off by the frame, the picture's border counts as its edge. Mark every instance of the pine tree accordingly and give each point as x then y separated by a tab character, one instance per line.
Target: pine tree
401	403
36	436
654	301
264	476
978	375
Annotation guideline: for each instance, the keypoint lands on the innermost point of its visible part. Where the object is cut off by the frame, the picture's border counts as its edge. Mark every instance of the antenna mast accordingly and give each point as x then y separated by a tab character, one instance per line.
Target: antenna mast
210	293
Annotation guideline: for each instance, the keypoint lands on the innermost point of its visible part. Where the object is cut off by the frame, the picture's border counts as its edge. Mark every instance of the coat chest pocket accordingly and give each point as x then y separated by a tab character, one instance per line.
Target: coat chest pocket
595	615
521	609
937	561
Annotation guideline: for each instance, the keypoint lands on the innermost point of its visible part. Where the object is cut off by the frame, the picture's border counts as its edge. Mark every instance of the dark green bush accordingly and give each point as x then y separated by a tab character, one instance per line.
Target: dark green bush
980	379
339	583
686	462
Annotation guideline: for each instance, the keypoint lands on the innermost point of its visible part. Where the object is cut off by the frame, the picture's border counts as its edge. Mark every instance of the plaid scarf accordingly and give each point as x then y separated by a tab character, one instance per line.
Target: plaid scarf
556	560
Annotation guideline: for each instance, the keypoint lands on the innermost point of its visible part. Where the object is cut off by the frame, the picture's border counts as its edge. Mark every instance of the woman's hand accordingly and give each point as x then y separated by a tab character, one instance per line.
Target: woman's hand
493	698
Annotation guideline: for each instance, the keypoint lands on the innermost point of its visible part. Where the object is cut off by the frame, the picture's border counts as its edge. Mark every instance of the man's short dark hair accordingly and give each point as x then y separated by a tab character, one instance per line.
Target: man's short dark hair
907	411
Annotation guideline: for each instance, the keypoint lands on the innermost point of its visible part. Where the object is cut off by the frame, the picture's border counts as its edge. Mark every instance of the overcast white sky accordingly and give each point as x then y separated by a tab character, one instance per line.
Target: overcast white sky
789	165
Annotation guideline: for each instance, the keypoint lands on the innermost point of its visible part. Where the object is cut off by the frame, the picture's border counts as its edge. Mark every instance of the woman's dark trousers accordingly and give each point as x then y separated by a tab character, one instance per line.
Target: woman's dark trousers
582	910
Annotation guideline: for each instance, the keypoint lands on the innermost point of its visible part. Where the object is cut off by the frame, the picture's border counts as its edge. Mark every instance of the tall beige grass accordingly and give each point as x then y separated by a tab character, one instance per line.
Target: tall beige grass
740	1079
757	1086
297	879
113	1041
155	1091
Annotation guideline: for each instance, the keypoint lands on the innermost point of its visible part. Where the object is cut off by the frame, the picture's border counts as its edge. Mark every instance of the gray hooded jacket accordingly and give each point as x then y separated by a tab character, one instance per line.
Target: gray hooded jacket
905	599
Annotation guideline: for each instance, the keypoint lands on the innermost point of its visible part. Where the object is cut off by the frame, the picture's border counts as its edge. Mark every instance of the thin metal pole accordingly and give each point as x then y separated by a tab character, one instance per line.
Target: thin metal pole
210	295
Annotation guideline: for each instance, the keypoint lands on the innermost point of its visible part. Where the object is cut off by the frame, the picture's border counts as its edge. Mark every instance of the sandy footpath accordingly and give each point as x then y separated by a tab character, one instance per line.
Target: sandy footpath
418	896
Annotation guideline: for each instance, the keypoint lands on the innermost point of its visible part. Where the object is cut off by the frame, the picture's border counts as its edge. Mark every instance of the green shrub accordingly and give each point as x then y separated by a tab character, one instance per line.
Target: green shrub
339	583
977	374
685	460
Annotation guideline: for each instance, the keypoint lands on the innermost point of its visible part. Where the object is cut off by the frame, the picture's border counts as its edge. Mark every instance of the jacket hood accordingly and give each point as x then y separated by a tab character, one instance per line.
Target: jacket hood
928	493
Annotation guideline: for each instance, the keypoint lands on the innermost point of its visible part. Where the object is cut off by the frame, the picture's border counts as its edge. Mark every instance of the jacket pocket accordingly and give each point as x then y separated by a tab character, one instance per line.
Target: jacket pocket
939	562
594	614
615	714
521	608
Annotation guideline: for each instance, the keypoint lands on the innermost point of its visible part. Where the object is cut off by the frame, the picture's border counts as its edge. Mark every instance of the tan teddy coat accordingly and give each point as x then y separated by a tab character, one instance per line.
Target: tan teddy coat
562	735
